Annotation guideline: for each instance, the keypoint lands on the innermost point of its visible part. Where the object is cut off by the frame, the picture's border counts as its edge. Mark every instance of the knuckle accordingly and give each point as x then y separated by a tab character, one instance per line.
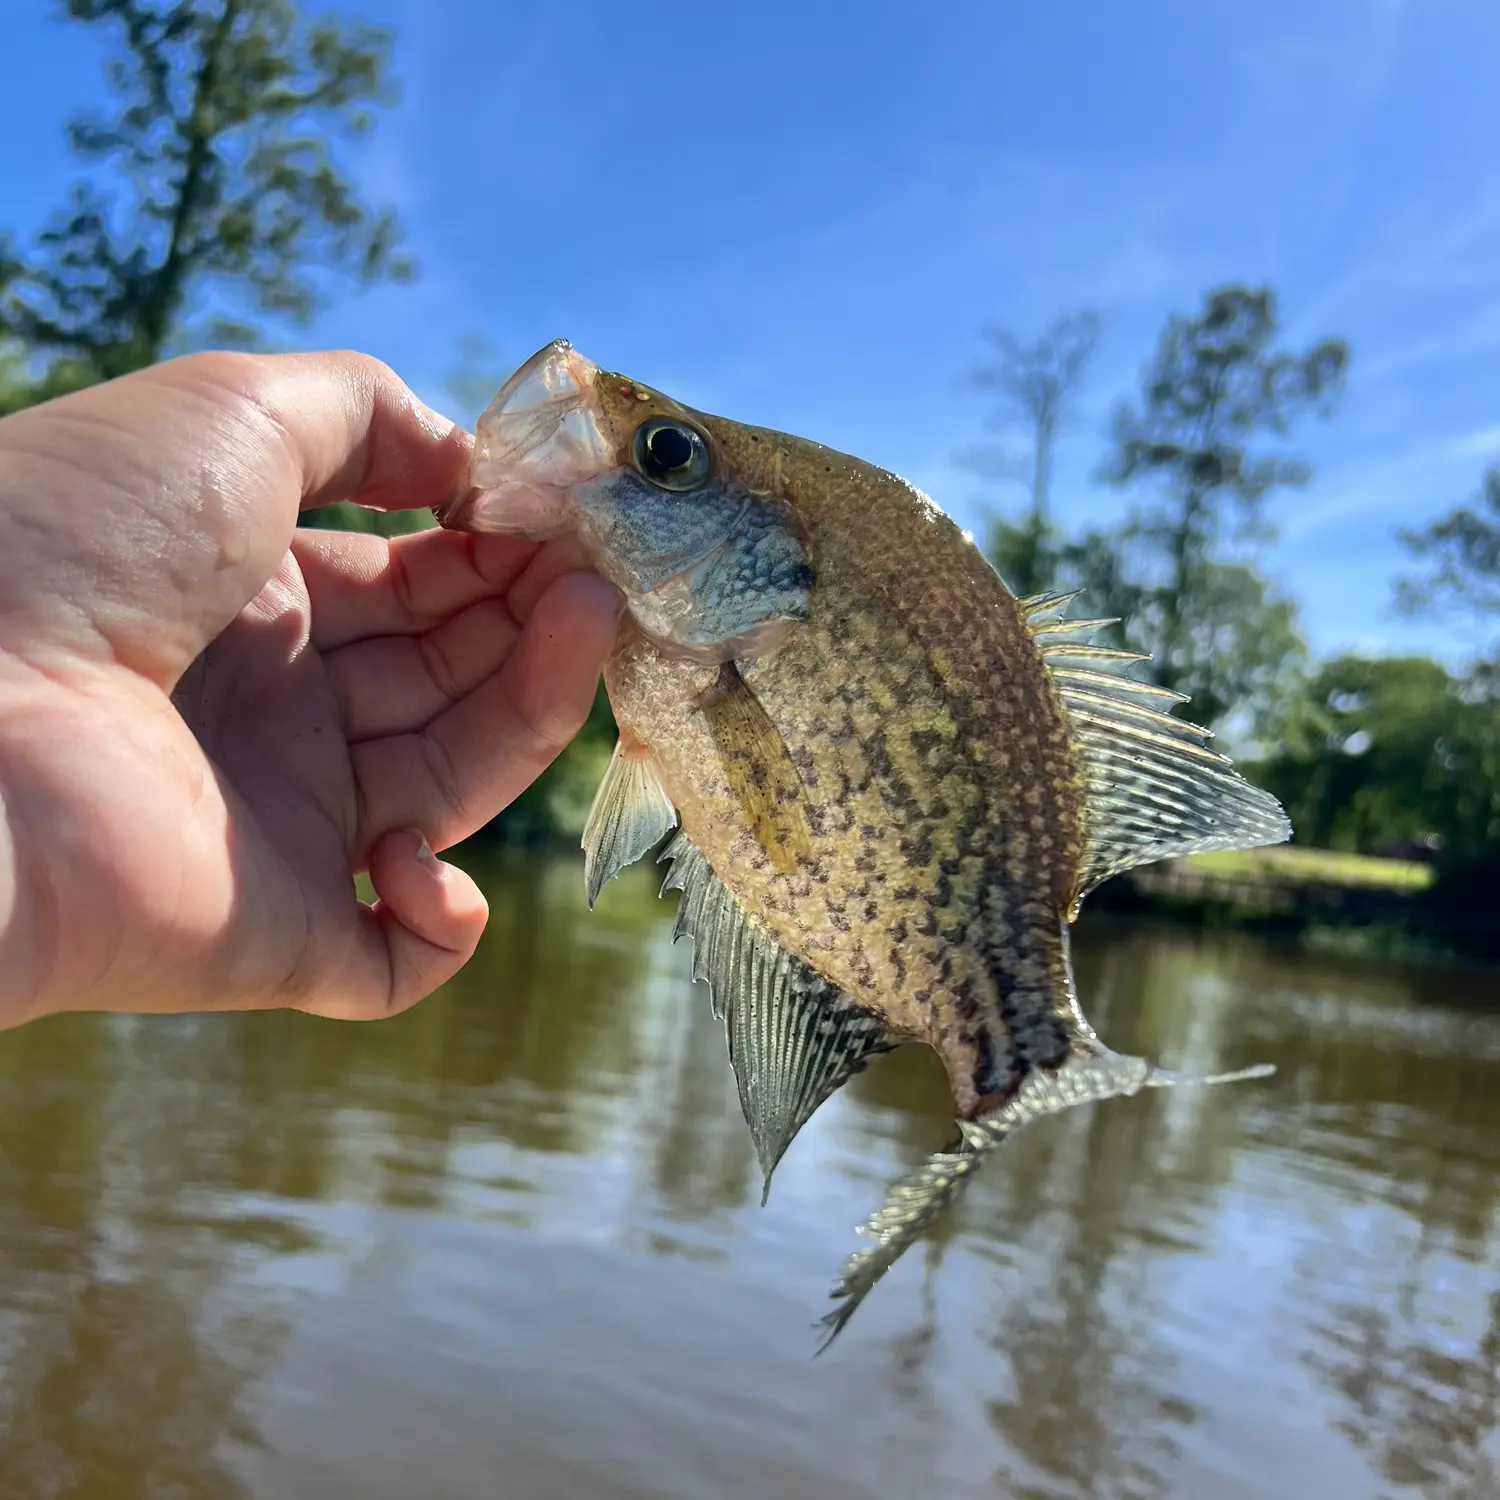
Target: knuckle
446	780
437	663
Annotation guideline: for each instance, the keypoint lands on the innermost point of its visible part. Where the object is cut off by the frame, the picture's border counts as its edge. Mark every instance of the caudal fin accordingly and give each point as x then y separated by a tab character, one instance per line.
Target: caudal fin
915	1200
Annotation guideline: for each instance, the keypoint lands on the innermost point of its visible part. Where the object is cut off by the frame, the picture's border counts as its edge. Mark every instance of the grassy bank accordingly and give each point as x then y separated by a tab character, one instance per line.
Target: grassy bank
1350	902
1288	863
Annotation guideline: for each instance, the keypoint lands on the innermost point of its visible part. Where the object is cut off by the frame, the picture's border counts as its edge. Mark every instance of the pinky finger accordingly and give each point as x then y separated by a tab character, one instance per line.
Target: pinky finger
417	936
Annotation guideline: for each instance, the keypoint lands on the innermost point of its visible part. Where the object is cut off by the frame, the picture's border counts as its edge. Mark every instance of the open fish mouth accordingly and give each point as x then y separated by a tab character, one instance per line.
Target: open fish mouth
540	436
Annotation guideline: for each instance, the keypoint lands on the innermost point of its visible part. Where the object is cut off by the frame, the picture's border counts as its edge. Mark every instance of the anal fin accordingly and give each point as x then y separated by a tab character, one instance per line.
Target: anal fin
915	1200
794	1038
630	815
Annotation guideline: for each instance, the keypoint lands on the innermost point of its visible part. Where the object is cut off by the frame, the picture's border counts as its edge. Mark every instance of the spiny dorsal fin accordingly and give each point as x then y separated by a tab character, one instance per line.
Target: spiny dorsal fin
630	815
914	1201
1034	605
793	1037
1153	788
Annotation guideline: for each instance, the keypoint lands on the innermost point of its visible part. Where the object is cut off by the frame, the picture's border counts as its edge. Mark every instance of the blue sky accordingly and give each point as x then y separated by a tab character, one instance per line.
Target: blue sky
800	215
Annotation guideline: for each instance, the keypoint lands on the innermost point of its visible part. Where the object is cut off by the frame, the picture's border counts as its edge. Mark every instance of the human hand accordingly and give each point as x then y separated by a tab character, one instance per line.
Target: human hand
211	721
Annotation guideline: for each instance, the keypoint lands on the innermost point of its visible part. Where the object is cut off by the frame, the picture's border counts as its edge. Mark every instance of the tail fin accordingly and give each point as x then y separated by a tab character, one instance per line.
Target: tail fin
914	1201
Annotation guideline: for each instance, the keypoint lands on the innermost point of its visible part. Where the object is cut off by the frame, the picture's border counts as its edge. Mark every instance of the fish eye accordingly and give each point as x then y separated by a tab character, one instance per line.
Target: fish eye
671	454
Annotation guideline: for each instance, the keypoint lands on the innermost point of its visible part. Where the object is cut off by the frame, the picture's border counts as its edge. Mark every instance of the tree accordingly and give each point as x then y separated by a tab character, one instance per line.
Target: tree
1035	385
1462	550
1217	385
1386	748
213	192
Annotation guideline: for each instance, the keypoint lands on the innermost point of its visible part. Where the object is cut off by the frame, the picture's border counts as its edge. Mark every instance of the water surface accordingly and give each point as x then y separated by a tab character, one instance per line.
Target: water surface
510	1245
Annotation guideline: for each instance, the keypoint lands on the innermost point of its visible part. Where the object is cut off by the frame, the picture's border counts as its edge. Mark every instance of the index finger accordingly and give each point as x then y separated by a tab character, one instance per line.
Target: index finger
142	514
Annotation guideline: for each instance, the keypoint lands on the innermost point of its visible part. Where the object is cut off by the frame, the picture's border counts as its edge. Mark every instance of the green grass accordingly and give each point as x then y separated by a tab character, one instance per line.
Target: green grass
1288	864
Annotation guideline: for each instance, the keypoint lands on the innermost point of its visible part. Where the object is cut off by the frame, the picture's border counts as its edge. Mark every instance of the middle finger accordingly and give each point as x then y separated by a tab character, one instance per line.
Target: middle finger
398	684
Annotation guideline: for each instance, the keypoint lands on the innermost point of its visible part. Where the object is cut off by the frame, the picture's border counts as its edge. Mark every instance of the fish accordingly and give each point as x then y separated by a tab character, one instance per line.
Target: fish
882	783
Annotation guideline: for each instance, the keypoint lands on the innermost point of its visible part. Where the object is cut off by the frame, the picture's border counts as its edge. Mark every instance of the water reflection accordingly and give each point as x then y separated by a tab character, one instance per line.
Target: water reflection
517	1232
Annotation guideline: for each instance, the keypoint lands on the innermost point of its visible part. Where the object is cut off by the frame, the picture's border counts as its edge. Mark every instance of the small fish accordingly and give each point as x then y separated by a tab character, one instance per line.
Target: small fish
888	782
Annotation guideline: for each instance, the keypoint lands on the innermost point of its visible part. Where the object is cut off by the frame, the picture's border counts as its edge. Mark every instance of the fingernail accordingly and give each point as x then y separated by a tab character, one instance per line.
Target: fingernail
424	849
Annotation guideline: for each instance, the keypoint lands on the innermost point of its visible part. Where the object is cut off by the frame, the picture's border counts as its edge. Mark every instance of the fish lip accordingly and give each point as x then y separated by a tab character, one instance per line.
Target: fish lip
537	437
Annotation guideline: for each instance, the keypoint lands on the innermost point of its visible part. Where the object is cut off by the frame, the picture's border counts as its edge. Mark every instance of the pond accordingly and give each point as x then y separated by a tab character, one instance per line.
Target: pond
511	1245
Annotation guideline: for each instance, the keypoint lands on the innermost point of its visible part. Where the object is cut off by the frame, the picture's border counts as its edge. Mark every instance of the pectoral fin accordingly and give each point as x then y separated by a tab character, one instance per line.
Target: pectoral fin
630	816
758	767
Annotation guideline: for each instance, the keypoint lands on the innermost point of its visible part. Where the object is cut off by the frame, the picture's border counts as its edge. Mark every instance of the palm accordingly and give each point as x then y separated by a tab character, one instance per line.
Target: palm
263	709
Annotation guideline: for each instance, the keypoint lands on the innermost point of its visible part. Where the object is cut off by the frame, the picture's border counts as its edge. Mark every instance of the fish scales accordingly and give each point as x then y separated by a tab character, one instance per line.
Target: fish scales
883	783
939	780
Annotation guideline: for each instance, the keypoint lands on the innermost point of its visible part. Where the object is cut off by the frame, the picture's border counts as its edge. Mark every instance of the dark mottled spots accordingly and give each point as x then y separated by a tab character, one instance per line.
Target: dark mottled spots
897	931
869	833
807	768
939	811
898	794
904	893
898	963
864	863
864	971
986	1079
927	924
925	741
871	911
965	1000
917	852
923	996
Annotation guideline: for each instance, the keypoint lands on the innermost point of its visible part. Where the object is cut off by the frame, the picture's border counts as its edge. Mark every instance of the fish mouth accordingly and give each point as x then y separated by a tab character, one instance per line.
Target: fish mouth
539	436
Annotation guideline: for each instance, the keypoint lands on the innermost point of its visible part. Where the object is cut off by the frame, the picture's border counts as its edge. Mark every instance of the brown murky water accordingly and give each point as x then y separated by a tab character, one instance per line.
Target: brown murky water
509	1245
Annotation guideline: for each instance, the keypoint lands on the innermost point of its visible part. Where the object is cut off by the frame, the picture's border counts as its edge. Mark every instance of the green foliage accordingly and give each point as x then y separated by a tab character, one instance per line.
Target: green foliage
1293	865
1462	552
1034	385
1387	748
346	516
213	190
